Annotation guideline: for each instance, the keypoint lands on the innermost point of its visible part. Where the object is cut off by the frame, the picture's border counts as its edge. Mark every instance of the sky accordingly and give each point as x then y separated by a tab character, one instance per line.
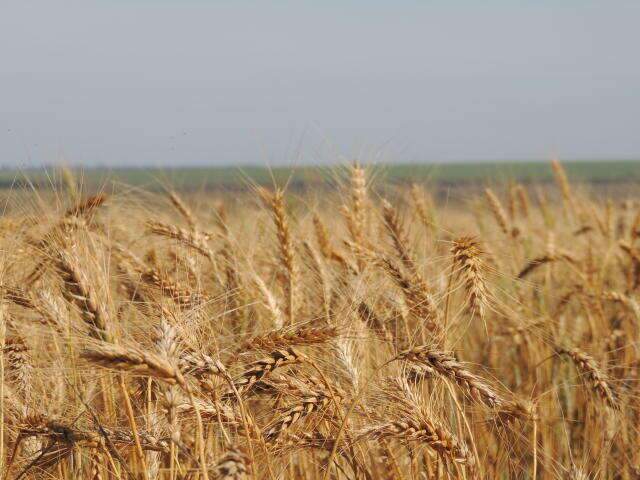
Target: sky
185	82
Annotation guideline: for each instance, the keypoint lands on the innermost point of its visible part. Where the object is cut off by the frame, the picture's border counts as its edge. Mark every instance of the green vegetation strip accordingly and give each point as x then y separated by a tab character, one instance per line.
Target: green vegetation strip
211	177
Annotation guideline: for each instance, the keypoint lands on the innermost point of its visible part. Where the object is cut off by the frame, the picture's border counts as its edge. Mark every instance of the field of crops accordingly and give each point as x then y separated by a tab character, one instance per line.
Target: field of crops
360	328
203	178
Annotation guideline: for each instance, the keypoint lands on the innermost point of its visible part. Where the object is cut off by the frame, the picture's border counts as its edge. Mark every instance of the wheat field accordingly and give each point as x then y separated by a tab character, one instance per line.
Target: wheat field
359	331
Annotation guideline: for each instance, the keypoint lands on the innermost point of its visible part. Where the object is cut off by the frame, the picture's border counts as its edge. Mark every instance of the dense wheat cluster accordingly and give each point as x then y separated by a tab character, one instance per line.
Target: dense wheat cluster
360	331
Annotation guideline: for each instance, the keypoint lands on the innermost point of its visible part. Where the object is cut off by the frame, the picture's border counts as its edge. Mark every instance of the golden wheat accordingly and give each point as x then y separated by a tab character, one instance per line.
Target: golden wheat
309	334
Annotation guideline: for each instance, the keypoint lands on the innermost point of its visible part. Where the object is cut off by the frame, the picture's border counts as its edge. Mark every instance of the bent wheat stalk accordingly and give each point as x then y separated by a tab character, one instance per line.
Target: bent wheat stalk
594	376
446	365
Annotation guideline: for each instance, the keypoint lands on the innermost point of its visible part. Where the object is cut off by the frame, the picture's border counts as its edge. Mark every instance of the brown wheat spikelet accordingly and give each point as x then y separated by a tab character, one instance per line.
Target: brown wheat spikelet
77	291
324	242
18	365
416	293
423	430
553	255
446	365
133	360
467	257
190	239
358	200
593	375
423	208
497	210
88	206
234	465
184	210
523	201
270	301
275	201
200	365
398	236
261	368
563	182
180	294
282	338
306	406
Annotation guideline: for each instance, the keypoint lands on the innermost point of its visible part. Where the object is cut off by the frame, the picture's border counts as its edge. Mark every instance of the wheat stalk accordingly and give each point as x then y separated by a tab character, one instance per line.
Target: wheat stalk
285	244
467	257
262	368
594	376
497	210
446	365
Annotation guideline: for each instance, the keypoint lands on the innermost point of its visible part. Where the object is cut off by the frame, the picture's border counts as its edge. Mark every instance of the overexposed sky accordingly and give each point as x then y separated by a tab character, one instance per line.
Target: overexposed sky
186	82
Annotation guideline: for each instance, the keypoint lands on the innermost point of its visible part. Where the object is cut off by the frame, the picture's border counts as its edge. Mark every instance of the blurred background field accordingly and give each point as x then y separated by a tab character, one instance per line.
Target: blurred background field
607	174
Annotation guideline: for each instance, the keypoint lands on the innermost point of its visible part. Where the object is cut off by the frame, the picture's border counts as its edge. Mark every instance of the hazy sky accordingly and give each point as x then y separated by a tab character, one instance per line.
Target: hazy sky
210	82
